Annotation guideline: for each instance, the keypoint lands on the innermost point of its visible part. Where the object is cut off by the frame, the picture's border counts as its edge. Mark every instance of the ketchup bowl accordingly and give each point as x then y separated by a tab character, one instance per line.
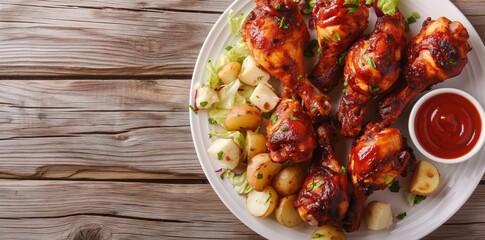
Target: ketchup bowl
447	125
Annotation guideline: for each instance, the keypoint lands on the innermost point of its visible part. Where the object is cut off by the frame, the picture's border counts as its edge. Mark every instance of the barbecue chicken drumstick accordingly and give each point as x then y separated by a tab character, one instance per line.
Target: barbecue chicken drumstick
377	157
372	66
437	53
324	198
290	133
276	35
338	25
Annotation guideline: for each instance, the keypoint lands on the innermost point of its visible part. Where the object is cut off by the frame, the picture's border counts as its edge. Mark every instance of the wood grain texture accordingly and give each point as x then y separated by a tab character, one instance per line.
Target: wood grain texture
57	209
102	38
96	129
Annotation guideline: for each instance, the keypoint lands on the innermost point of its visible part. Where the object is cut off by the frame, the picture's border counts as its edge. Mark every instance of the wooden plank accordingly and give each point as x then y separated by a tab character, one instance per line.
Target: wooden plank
56	209
96	129
55	38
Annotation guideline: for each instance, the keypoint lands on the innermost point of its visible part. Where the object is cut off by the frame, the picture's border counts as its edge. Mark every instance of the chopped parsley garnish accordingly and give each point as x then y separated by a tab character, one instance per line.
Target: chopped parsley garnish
212	121
400	216
327	38
317	235
228	48
282	22
411	19
418	199
259	176
370	61
267	199
308	6
277	7
273	118
308	52
293	118
388	180
373	89
219	155
203	104
284	128
314	184
299	76
341	58
193	109
260	78
266	115
395	186
343	171
336	36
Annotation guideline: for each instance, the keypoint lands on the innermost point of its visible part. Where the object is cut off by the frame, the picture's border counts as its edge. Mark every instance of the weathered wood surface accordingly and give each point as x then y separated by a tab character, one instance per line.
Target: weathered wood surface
85	158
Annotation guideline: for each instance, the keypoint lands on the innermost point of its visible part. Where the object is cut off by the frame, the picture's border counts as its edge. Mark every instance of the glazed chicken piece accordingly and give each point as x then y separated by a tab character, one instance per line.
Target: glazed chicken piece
377	157
372	67
437	53
276	35
290	133
324	198
338	25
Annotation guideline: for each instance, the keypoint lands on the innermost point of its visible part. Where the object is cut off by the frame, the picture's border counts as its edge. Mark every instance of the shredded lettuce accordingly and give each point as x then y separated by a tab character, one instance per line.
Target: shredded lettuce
246	91
388	6
213	79
239	182
229	96
237	136
235	53
218	116
236	22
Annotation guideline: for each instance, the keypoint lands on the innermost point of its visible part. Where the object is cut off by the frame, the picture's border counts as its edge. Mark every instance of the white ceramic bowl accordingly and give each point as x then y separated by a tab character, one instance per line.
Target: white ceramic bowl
412	132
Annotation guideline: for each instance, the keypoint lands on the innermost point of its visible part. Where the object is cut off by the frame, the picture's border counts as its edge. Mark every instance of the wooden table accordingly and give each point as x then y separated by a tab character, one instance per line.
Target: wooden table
95	139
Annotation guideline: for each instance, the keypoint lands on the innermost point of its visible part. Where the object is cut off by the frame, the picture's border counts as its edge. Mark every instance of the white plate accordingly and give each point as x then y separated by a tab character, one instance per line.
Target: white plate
457	181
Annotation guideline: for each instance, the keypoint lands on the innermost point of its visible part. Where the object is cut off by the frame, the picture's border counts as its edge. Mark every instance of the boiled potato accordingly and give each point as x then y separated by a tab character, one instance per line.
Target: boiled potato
206	97
378	215
264	97
251	74
229	72
327	232
425	179
226	151
243	117
255	143
289	180
286	213
263	203
261	170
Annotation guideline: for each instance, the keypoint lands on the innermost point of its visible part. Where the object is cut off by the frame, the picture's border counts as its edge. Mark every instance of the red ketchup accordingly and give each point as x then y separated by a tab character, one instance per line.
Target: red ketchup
447	125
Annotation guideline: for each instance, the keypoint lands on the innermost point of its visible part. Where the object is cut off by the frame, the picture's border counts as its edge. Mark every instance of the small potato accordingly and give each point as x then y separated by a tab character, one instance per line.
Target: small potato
206	97
425	179
229	72
327	232
264	98
289	180
286	213
251	73
261	170
261	204
255	144
378	215
243	117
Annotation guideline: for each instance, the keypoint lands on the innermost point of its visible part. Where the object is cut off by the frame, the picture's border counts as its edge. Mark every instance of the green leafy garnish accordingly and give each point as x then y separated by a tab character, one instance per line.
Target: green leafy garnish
218	116
314	184
336	36
307	8
388	6
343	171
284	128
388	180
193	109
418	199
370	61
373	89
219	155
308	52
327	38
212	121
228	48
203	104
293	117
395	186
273	118
277	6
400	216
317	235
411	19
341	58
282	22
